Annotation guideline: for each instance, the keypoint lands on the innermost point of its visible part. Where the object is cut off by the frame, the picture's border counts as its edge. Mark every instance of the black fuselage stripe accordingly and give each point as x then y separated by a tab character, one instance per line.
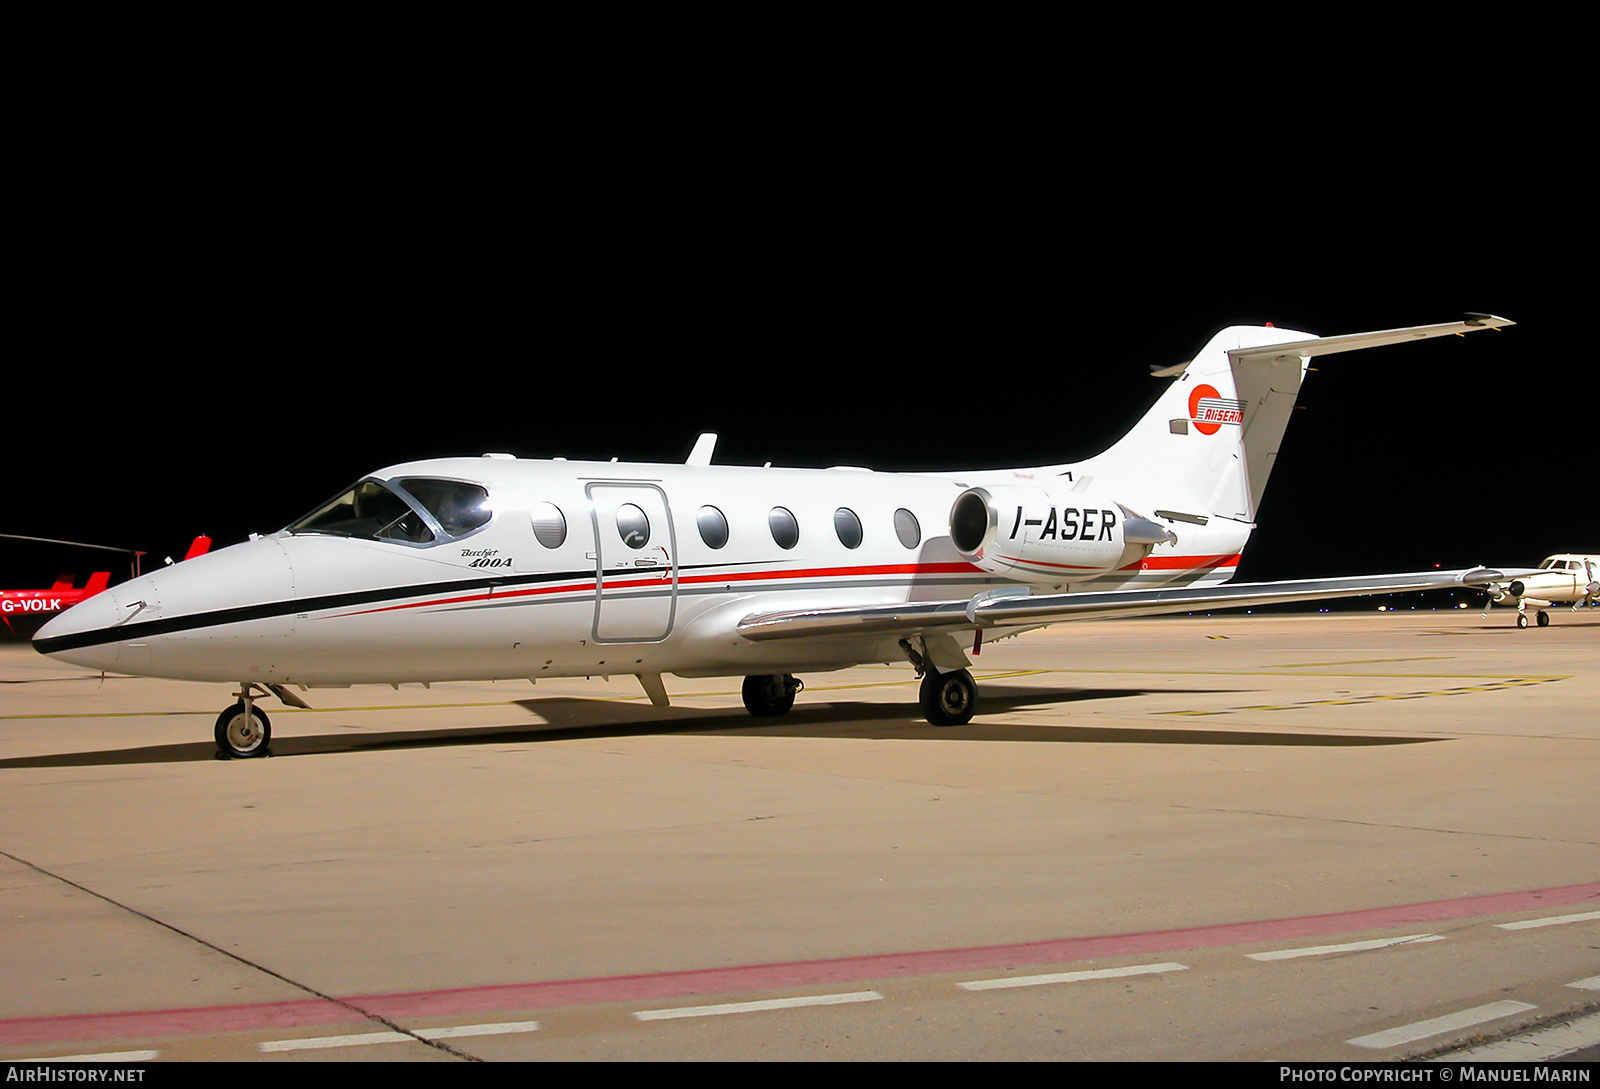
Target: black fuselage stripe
266	609
388	595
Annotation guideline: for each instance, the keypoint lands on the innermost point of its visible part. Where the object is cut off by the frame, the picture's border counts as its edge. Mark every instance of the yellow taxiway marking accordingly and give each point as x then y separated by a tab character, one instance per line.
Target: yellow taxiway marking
1488	682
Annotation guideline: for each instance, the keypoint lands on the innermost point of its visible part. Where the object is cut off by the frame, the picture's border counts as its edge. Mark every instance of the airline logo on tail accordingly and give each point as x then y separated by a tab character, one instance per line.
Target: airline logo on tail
1209	410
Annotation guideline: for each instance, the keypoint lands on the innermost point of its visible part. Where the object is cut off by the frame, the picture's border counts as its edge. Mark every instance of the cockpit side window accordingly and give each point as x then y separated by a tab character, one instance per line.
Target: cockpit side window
416	510
458	507
371	511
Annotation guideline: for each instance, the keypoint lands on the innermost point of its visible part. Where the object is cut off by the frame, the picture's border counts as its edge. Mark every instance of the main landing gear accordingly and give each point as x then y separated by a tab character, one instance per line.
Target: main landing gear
772	695
1541	617
947	699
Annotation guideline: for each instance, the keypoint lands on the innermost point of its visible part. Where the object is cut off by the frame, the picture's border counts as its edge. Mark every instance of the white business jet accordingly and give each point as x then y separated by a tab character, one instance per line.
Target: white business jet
1558	580
497	567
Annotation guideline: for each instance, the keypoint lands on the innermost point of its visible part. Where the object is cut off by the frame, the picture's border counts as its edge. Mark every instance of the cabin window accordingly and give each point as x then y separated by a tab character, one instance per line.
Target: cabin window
785	530
633	526
906	528
549	525
713	527
848	527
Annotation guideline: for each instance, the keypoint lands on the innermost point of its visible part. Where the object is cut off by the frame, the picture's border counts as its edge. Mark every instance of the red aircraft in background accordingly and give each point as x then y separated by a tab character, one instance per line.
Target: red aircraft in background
53	600
62	595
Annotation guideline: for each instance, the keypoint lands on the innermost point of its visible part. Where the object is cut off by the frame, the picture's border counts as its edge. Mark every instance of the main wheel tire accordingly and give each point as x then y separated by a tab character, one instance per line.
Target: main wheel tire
243	732
948	699
770	695
1522	620
1543	619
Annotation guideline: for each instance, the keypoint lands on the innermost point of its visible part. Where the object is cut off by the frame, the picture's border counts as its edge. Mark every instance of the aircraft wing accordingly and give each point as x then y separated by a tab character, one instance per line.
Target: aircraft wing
1016	608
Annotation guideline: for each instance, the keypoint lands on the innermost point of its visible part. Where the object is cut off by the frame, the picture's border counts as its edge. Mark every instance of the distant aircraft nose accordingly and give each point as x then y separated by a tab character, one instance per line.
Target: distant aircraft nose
208	618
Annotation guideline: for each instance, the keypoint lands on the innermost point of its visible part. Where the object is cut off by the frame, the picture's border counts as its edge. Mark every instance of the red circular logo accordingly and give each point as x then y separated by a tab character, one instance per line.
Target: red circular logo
1194	409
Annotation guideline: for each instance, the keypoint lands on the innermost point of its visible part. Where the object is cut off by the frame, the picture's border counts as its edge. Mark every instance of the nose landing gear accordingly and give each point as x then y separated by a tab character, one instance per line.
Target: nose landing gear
243	730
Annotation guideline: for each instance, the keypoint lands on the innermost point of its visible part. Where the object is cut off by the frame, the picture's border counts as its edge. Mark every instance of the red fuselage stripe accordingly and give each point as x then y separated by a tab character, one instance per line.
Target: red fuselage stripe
662	575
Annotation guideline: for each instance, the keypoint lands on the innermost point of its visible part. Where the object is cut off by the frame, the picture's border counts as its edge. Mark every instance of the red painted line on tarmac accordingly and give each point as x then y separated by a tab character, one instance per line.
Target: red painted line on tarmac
608	989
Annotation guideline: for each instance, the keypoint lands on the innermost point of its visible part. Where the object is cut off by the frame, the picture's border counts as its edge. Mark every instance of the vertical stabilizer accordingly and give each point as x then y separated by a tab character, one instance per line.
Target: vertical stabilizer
1208	445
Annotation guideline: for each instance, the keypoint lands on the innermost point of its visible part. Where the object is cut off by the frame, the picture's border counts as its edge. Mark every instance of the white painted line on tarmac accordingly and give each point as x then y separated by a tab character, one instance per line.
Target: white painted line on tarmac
757	1007
355	1039
103	1057
363	1039
1438	1026
1550	920
1540	1045
1347	947
1590	984
500	1028
1069	977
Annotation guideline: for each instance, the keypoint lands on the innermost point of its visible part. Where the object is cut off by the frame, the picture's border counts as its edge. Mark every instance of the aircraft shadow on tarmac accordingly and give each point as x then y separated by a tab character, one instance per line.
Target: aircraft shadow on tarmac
572	718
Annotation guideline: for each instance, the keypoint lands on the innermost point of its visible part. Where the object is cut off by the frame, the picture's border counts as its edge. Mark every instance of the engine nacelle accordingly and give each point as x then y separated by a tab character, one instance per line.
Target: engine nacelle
1039	536
1501	592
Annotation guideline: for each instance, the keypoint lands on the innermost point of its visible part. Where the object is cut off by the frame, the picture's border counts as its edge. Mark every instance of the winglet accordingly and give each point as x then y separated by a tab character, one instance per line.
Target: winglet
700	456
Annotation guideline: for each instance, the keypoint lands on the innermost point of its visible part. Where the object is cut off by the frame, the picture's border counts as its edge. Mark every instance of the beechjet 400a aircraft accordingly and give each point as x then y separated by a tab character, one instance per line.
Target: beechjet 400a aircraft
497	567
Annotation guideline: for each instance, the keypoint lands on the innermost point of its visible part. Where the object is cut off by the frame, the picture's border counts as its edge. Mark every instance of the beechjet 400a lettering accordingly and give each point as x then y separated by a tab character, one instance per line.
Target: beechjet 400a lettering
496	567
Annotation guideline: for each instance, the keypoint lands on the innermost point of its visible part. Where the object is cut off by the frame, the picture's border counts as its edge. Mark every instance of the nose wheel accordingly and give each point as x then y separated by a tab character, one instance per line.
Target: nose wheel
243	731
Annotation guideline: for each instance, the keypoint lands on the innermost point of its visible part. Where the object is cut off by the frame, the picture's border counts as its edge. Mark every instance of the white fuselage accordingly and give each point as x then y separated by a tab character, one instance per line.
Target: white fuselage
1562	579
597	568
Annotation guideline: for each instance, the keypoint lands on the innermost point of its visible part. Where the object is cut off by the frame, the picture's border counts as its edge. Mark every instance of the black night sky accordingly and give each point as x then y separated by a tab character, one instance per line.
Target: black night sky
214	343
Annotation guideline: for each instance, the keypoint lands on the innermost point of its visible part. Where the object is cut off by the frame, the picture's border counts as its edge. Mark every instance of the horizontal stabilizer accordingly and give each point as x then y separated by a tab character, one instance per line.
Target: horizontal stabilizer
1471	323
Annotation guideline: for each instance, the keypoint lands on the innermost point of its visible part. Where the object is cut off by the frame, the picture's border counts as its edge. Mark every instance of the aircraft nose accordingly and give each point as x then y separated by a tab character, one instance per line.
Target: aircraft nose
62	635
206	617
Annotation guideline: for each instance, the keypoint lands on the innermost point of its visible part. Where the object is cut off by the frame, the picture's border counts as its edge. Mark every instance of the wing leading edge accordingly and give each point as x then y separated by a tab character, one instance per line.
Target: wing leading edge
1016	608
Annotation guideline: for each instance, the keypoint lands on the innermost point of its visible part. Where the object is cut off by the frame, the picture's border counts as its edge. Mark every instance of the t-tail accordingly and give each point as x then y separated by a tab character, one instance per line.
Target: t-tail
1207	447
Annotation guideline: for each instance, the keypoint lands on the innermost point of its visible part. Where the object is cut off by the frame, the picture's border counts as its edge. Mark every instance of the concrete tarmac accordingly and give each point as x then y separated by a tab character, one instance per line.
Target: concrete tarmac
1340	837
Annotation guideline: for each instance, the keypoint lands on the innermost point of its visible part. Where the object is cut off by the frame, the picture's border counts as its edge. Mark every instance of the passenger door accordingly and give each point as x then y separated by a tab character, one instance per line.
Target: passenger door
636	573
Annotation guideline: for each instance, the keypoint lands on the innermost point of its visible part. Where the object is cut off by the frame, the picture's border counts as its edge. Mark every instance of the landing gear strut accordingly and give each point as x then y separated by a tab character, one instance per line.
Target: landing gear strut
770	695
243	730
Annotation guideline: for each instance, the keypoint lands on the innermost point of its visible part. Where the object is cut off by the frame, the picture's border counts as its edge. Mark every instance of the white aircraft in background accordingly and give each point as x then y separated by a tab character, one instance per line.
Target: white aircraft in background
1559	579
496	567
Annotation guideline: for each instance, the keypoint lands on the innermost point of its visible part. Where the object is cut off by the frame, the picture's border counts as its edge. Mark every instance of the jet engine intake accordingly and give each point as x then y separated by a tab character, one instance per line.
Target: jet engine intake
1040	536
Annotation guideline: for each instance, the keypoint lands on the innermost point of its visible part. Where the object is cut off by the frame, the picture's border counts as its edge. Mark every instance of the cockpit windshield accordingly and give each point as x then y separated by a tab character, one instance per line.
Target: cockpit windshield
417	510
